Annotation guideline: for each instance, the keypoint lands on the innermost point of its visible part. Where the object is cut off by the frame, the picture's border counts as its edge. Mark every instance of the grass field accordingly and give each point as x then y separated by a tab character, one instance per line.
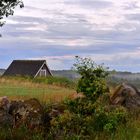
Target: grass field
19	88
24	89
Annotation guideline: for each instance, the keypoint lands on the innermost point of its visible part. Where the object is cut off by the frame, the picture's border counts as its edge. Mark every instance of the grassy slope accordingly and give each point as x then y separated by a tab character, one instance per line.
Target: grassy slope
24	89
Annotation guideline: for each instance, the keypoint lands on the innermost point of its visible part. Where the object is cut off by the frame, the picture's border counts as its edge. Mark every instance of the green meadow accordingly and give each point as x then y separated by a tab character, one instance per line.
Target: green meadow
22	88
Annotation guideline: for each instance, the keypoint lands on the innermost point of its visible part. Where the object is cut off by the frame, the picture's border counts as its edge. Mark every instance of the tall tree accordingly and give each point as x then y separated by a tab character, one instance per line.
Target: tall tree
7	8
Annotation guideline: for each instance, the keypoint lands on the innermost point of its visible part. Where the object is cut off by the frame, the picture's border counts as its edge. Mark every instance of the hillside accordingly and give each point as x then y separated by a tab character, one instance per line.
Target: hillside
119	77
114	76
113	79
2	71
46	90
70	74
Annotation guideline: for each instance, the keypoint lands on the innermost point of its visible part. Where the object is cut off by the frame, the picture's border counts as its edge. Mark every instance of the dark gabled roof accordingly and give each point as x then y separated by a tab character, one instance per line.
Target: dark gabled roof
25	67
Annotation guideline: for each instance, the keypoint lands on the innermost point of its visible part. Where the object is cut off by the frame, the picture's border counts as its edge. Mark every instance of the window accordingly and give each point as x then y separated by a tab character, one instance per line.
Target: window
42	72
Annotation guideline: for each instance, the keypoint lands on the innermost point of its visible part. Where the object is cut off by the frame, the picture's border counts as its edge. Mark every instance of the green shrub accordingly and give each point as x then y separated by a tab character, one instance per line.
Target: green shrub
92	82
81	106
90	114
71	125
109	119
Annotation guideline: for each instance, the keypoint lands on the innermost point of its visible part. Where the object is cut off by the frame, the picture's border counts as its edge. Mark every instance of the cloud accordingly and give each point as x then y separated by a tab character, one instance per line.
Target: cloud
133	17
97	4
132	5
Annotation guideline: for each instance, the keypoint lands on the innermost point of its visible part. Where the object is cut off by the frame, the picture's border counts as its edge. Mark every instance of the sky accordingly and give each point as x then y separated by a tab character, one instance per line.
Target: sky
107	31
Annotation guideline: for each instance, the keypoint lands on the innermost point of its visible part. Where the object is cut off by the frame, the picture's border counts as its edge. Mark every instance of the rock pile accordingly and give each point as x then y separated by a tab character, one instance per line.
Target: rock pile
28	112
14	113
126	95
5	117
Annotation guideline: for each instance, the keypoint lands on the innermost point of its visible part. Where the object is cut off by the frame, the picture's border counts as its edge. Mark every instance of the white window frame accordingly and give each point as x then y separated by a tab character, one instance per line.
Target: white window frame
44	71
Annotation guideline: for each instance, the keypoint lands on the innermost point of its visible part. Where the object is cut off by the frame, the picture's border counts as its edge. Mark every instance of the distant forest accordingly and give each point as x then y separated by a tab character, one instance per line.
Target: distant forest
114	78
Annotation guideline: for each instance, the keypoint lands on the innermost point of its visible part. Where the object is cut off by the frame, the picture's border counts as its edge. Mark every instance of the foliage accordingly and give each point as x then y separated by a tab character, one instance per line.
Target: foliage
81	106
82	124
92	113
7	8
92	82
71	125
108	119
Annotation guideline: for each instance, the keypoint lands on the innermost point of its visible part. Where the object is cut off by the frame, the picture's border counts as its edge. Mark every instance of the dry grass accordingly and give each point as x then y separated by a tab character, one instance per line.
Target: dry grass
23	89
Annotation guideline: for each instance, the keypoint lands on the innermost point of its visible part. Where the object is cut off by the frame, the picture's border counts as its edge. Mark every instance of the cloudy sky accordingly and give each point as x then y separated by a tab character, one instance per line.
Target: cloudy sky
108	31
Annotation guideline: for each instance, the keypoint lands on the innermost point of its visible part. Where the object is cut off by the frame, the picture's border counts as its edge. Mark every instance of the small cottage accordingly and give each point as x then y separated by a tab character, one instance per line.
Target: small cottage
31	68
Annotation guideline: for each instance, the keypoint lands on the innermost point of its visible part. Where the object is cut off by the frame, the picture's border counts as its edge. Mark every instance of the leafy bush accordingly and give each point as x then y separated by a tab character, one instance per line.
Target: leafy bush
92	82
92	113
70	124
81	106
109	119
83	118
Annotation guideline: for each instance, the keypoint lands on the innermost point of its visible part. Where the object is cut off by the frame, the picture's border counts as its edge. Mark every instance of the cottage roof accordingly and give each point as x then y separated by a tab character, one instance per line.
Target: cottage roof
26	67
